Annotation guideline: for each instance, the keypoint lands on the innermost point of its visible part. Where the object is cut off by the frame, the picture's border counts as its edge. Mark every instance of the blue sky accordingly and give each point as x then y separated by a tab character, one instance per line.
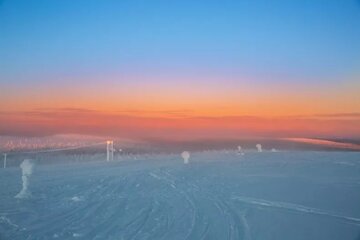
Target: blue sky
289	40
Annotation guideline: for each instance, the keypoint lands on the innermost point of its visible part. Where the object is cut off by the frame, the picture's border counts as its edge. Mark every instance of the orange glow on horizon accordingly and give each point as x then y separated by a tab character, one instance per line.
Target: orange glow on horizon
97	123
159	100
148	110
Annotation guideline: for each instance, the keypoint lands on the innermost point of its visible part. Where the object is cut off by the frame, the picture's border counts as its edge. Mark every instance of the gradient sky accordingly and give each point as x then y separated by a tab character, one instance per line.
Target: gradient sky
274	68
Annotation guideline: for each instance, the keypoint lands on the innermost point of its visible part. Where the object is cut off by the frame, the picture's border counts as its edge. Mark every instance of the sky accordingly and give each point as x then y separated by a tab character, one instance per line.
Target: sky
180	69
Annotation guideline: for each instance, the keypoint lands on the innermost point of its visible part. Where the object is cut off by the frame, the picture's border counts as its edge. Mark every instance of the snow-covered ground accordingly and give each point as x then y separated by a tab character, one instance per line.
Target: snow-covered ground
218	195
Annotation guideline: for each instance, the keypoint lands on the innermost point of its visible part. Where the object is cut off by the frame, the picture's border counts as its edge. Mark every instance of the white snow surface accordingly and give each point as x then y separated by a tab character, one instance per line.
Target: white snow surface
221	195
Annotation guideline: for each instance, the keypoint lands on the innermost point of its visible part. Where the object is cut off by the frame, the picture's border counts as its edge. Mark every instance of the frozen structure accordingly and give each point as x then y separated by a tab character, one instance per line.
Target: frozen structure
186	156
5	155
27	167
273	150
109	151
240	151
259	147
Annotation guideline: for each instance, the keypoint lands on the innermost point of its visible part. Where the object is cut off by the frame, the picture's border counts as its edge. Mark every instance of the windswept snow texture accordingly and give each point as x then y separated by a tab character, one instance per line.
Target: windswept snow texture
218	195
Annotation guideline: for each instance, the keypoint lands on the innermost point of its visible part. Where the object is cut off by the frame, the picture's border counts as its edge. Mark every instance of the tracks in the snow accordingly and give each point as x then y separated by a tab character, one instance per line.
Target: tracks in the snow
207	209
145	203
295	208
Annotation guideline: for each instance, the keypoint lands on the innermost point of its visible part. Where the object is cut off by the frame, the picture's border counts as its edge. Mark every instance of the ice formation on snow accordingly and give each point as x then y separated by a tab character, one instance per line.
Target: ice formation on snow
185	155
27	167
259	147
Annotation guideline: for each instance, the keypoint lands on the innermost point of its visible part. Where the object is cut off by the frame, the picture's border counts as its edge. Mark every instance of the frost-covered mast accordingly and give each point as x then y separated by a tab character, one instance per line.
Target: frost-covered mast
109	151
5	155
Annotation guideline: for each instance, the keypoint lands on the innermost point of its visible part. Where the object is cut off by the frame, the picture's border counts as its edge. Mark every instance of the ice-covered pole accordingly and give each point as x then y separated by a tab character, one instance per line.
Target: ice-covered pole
259	147
240	151
5	155
109	151
185	155
27	168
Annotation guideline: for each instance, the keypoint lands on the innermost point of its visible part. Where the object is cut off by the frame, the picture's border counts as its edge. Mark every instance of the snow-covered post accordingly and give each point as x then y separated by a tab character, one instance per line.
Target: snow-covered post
185	155
259	147
27	167
109	151
5	155
240	151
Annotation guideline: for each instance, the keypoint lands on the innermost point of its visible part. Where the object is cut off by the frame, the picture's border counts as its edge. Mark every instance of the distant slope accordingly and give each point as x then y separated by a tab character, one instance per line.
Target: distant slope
326	143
